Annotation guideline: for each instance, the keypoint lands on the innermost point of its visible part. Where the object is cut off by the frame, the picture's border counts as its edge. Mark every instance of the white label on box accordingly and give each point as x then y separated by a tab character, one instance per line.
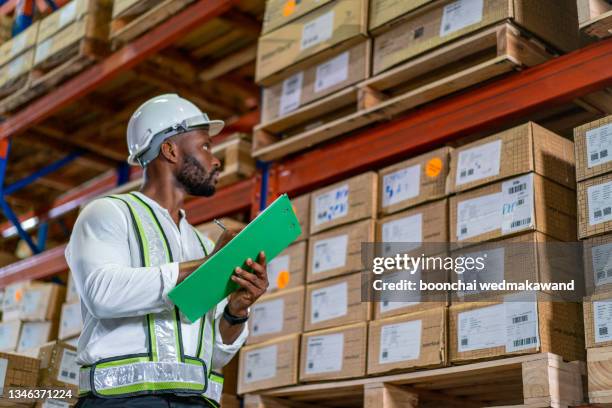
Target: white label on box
51	403
401	185
481	328
332	72
15	66
460	14
291	94
408	229
33	334
324	353
9	332
275	267
332	204
517	210
600	203
68	370
71	321
521	326
602	320
260	364
492	272
478	215
318	30
479	162
18	44
267	317
329	253
42	50
400	342
3	368
329	302
67	13
601	255
31	299
599	145
387	306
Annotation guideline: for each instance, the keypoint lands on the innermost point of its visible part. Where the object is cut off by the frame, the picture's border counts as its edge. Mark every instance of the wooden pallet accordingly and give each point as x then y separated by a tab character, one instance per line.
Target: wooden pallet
536	380
141	17
235	156
468	61
595	17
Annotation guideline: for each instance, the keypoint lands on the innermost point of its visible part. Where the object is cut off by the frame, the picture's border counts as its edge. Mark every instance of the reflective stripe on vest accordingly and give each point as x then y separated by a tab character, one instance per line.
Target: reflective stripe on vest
164	368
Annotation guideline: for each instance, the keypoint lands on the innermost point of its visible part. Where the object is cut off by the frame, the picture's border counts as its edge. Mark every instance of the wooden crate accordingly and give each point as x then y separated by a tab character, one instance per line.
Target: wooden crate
599	366
461	64
132	18
539	380
595	17
236	160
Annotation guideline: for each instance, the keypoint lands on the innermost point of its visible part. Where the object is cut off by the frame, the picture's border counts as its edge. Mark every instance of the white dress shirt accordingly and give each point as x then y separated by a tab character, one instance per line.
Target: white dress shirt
116	292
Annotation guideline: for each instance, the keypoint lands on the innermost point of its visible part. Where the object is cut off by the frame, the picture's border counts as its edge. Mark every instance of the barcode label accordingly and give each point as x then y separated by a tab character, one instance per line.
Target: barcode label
519	319
603	212
603	331
517	210
598	144
291	93
517	188
520	223
599	199
525	342
464	341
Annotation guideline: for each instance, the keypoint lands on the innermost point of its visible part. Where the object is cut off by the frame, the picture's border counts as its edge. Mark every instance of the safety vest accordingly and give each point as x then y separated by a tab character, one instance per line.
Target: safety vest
164	368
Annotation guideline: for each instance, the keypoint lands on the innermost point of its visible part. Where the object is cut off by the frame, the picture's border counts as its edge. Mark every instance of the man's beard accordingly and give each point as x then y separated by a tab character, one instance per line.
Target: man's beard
194	178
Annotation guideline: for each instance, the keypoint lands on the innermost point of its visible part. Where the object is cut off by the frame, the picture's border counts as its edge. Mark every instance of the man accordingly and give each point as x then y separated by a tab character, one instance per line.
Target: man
128	251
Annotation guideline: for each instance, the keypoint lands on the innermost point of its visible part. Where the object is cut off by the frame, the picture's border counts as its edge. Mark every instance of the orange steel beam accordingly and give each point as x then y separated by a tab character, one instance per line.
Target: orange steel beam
554	82
125	58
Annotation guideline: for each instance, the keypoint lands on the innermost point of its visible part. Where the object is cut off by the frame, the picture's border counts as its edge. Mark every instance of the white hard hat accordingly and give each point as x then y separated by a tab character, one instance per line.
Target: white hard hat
159	118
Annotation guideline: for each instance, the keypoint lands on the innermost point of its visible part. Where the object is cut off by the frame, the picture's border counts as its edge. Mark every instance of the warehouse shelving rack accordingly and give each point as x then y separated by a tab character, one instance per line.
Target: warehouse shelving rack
485	108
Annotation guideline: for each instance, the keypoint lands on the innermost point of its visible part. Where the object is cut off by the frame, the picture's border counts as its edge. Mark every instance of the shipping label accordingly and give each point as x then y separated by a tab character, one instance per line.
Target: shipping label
324	353
401	185
68	370
601	256
400	342
329	253
479	162
329	302
332	72
602	320
267	317
407	229
481	328
318	30
332	204
599	145
460	14
479	215
493	270
521	326
260	364
518	208
600	203
291	94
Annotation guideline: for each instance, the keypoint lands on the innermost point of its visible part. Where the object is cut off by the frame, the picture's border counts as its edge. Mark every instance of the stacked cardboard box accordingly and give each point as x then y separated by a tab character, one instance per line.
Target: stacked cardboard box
18	372
593	143
58	368
515	188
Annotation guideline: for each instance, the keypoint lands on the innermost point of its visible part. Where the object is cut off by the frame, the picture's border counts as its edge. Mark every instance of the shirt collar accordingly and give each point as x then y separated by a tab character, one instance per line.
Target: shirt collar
158	207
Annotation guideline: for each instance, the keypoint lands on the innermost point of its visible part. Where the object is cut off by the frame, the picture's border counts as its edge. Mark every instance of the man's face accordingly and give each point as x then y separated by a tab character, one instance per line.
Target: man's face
198	169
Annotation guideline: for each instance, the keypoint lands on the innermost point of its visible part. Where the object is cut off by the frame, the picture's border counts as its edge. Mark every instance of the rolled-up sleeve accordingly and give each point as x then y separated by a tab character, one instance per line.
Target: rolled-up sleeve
223	353
98	255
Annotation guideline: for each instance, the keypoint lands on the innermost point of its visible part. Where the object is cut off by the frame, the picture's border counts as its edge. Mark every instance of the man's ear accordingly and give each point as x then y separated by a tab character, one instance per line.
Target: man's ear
169	150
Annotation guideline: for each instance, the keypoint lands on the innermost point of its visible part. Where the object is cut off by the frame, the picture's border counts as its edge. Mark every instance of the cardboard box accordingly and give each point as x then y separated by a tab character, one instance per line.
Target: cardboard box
71	322
526	203
593	143
301	207
597	259
531	256
409	341
288	269
316	81
595	206
212	231
35	334
269	365
599	367
414	181
335	302
346	201
328	29
522	149
598	319
277	315
72	295
385	11
58	367
443	21
18	44
280	12
21	371
338	251
42	301
9	335
480	330
11	302
334	353
422	225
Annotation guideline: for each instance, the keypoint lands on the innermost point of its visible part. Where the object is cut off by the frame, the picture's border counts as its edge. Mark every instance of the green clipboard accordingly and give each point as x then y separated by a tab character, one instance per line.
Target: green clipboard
273	230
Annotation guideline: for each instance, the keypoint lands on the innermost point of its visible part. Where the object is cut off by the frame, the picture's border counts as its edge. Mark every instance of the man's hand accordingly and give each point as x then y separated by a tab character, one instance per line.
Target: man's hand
224	239
252	286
